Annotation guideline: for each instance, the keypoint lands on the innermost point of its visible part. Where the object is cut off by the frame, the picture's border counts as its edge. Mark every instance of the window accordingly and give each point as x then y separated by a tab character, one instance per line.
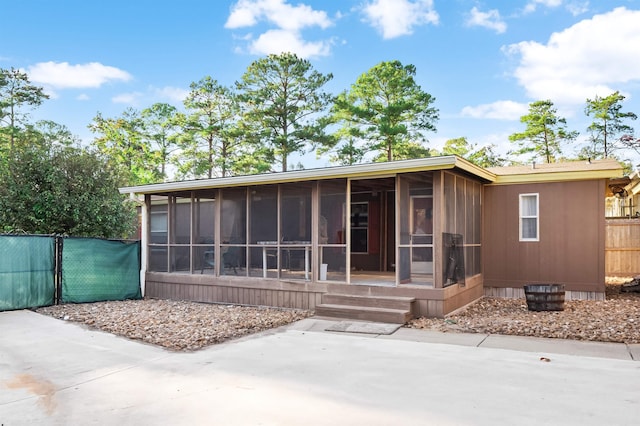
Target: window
360	227
529	217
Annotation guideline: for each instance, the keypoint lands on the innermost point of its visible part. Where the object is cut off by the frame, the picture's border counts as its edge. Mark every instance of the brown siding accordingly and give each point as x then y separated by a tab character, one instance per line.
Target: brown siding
572	236
457	296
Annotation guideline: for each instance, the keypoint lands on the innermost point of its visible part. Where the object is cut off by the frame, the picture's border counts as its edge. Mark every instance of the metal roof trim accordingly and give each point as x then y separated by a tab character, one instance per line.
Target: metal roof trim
557	176
371	170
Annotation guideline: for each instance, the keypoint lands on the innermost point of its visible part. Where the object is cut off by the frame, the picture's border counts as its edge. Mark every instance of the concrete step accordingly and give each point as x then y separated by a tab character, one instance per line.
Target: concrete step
390	302
365	313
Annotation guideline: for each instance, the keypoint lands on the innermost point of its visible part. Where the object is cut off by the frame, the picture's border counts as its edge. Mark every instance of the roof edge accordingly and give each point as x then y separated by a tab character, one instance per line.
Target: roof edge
558	176
336	172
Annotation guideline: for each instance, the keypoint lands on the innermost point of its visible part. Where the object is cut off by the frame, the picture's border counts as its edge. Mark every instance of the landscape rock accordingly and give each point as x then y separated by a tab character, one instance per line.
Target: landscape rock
189	326
176	325
615	319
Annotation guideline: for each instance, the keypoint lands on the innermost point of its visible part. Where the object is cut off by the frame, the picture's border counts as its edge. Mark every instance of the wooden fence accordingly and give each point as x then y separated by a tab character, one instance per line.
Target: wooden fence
622	247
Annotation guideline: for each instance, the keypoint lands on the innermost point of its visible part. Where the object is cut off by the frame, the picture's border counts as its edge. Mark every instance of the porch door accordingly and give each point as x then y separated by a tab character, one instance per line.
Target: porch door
403	231
414	230
421	234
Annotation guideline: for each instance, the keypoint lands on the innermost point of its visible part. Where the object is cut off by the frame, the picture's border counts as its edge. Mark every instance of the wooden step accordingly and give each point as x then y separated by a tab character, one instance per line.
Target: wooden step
390	302
365	313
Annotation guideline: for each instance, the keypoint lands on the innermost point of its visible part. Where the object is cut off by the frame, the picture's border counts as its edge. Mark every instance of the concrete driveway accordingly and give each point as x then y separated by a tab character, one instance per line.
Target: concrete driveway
58	373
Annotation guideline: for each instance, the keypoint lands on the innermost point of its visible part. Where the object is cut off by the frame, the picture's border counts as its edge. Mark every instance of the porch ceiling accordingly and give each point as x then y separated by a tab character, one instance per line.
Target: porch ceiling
368	185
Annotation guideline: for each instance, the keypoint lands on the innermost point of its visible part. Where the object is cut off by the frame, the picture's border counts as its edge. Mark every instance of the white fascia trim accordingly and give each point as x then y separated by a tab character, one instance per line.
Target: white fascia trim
336	172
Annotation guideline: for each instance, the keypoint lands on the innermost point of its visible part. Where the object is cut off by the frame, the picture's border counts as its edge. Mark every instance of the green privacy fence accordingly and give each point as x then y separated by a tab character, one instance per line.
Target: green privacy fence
95	270
43	270
27	271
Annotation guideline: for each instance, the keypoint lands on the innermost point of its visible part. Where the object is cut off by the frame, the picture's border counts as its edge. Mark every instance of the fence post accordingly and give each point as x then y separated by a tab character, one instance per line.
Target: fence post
58	269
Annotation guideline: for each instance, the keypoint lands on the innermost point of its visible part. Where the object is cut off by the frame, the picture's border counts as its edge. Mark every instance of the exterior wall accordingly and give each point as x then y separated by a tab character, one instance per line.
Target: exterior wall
571	246
456	296
622	256
518	293
193	254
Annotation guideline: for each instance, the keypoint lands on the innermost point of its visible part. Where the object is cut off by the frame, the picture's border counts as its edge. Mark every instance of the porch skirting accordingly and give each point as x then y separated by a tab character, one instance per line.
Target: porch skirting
234	290
429	302
518	293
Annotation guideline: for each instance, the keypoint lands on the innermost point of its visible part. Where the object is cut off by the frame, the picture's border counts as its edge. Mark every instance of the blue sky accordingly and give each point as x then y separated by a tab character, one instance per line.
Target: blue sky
483	61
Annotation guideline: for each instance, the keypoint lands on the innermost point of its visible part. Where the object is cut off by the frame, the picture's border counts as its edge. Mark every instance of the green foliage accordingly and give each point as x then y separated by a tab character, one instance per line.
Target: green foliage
161	129
486	157
62	190
608	122
47	185
16	93
544	134
49	134
344	146
457	146
122	141
348	152
386	112
44	135
283	102
404	151
215	141
483	157
276	109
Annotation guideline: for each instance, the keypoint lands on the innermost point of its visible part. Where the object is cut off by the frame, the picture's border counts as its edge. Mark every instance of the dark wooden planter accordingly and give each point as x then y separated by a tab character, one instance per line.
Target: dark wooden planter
544	297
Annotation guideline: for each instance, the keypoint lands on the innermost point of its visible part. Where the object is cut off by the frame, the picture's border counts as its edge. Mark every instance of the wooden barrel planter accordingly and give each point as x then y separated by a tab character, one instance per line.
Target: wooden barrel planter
544	297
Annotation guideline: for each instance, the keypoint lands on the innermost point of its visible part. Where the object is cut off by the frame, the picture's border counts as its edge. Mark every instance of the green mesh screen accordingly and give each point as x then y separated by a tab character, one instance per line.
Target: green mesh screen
96	270
27	277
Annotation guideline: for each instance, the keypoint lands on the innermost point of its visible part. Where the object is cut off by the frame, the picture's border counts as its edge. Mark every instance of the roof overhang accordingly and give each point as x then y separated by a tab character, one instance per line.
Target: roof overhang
358	171
558	172
633	184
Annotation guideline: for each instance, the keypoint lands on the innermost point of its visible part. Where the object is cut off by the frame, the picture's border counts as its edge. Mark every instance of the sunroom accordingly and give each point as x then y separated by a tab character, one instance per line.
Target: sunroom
406	228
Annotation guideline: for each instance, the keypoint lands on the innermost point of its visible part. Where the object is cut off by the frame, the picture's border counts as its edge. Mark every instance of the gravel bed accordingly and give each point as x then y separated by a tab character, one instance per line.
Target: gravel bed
616	319
175	325
189	326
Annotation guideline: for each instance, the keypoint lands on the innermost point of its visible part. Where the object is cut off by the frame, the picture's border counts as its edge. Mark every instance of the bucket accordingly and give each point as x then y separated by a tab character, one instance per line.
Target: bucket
323	272
544	297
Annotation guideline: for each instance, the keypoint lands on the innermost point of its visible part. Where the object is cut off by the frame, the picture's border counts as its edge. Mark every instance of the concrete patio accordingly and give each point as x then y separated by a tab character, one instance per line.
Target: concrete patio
58	373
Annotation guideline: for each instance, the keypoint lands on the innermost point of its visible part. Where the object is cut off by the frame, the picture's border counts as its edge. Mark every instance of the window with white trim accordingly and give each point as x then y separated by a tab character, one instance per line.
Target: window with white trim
529	217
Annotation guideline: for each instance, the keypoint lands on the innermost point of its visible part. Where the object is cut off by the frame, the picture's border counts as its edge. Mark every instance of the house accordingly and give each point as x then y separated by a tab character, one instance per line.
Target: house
623	197
383	241
622	253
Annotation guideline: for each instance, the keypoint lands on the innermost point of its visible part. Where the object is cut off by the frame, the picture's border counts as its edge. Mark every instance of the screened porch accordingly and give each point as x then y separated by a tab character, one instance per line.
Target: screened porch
405	229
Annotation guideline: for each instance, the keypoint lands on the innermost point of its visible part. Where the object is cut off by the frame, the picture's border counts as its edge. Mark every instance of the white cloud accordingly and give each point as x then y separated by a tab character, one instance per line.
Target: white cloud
395	18
589	58
175	94
127	98
499	110
62	75
490	20
83	97
247	13
289	21
578	7
533	4
499	140
50	92
278	41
